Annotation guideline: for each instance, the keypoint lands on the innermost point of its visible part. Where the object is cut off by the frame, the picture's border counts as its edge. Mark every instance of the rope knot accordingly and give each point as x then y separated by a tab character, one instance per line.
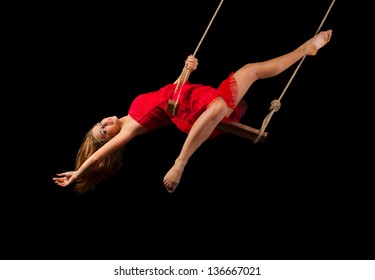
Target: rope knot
275	105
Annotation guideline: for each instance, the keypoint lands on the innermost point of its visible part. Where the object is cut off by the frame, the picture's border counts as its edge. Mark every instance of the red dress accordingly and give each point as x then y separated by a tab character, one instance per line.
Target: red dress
149	109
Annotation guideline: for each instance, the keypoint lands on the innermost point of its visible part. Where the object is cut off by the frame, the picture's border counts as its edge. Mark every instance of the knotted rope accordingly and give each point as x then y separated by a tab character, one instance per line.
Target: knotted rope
276	104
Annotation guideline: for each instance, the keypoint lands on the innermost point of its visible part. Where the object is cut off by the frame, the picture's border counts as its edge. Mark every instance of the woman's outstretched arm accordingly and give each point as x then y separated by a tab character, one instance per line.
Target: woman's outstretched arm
128	131
66	178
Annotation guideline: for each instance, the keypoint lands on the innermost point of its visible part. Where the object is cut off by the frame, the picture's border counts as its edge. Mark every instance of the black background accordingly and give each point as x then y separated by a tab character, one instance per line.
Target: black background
300	195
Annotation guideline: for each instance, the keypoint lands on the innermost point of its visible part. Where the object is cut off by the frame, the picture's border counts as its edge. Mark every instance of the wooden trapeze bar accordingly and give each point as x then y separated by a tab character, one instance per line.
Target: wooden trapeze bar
242	130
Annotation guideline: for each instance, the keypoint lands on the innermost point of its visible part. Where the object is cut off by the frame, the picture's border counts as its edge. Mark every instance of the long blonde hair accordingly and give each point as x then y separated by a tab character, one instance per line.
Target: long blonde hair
103	171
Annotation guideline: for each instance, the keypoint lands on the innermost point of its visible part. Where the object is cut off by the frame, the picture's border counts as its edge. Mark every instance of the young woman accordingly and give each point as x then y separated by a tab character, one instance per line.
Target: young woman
200	109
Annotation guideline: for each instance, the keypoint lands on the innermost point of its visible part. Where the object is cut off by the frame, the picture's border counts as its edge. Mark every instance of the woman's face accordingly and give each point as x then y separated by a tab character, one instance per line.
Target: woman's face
107	128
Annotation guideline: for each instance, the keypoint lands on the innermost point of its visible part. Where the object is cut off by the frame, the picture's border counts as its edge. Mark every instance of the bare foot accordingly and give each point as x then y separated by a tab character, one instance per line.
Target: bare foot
318	41
173	176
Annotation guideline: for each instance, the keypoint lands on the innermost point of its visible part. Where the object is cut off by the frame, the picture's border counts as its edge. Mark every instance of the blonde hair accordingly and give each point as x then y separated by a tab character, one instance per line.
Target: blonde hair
103	171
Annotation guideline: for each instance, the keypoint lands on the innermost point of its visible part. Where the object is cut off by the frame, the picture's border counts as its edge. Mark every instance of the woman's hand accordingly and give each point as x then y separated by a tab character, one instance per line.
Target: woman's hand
191	63
64	179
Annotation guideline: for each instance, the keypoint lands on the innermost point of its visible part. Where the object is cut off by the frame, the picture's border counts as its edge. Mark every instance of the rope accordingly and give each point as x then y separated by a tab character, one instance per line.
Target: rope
276	104
185	71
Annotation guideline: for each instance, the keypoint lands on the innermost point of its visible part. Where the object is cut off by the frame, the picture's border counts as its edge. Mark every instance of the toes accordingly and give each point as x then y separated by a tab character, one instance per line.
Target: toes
170	186
328	37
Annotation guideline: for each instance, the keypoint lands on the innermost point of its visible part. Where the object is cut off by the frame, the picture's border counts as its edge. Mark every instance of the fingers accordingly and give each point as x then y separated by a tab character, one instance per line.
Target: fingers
61	181
192	59
191	63
58	180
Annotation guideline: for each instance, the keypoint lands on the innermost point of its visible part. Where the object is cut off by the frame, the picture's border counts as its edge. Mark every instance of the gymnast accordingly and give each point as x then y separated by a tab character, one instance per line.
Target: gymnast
200	109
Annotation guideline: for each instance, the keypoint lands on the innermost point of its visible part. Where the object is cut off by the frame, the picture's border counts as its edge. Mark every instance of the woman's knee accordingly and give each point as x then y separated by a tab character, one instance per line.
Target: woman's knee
218	108
247	73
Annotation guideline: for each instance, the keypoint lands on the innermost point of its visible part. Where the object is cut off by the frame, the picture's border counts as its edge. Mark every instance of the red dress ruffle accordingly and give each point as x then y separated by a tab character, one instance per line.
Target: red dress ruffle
149	109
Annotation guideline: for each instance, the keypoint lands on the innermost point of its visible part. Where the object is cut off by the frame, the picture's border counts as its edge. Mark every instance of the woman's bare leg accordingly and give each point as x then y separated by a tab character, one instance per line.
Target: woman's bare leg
245	77
201	130
251	72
